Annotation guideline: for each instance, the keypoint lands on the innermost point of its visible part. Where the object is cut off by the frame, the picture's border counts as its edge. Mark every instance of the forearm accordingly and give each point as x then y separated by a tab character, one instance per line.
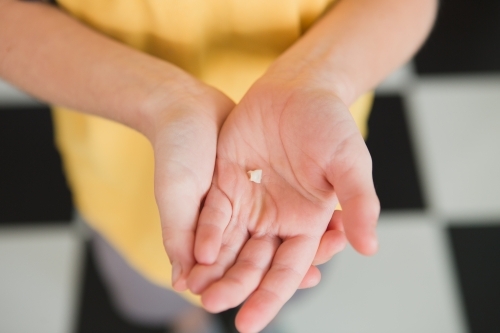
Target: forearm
55	58
357	43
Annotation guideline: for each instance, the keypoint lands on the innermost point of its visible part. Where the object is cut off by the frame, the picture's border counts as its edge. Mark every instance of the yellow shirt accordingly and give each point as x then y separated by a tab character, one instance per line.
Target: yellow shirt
225	43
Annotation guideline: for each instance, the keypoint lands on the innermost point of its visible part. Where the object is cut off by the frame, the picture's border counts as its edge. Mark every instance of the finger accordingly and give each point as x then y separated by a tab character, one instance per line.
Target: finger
179	213
333	240
243	277
291	263
336	222
312	278
214	218
202	276
351	175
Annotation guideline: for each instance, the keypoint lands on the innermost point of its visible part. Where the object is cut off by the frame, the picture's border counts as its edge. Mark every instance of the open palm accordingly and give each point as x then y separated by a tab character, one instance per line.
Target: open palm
256	242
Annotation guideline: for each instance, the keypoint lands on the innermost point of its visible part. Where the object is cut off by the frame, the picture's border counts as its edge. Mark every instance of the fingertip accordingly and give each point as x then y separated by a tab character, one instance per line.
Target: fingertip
247	321
252	318
336	222
180	285
366	244
195	282
179	246
207	247
193	285
179	276
371	245
332	242
212	302
342	243
360	222
207	304
205	256
312	278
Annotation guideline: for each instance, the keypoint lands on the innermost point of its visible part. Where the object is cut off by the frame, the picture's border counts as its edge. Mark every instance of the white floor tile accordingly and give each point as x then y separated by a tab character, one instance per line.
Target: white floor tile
38	279
407	287
12	96
398	81
457	125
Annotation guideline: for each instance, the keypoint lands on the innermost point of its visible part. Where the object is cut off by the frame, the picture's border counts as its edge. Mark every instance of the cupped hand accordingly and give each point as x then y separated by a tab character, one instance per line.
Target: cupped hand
184	131
255	242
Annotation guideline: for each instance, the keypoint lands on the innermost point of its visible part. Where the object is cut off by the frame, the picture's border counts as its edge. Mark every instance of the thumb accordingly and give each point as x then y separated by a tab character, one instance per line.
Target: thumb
184	152
181	182
179	208
350	173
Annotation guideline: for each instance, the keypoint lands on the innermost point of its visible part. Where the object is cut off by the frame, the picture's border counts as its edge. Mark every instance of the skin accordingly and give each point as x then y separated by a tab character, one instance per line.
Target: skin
57	59
256	242
180	115
271	231
253	242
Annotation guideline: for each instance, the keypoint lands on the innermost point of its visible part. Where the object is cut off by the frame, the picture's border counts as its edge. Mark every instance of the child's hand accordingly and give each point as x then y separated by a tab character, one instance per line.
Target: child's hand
184	138
258	241
184	142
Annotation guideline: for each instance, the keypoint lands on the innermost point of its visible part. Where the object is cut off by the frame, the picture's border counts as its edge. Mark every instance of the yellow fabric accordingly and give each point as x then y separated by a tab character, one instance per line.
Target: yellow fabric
225	43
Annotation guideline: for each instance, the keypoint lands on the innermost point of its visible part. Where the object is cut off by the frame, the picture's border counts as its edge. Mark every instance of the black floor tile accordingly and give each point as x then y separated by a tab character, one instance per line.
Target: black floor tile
394	169
466	38
32	185
227	319
477	258
96	312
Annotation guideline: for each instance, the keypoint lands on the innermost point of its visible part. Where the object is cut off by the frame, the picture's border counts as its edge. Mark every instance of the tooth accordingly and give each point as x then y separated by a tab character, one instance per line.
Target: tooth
255	176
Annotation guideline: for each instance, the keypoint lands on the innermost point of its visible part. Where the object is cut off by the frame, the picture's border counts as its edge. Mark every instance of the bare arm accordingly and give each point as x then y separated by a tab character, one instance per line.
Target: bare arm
57	59
54	57
358	43
348	52
294	124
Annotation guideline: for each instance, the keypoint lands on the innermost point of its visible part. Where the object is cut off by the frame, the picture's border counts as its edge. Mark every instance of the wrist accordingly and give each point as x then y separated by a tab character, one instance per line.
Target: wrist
318	74
183	93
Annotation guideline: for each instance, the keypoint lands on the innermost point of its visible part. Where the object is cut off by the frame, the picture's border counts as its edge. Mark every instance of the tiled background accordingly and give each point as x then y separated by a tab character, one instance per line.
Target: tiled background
435	143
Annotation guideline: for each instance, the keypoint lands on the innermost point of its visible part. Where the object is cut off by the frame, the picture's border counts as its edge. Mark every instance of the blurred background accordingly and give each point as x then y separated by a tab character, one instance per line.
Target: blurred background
435	142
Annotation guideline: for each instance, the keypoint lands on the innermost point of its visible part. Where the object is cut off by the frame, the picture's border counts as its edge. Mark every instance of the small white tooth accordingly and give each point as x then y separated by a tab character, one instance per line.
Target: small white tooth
255	176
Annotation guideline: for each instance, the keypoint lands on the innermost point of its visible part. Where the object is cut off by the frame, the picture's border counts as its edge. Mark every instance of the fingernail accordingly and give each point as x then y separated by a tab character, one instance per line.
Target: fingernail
176	271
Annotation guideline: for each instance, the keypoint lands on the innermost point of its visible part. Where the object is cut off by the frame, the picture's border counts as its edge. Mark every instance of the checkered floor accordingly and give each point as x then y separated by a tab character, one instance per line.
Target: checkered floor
435	143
